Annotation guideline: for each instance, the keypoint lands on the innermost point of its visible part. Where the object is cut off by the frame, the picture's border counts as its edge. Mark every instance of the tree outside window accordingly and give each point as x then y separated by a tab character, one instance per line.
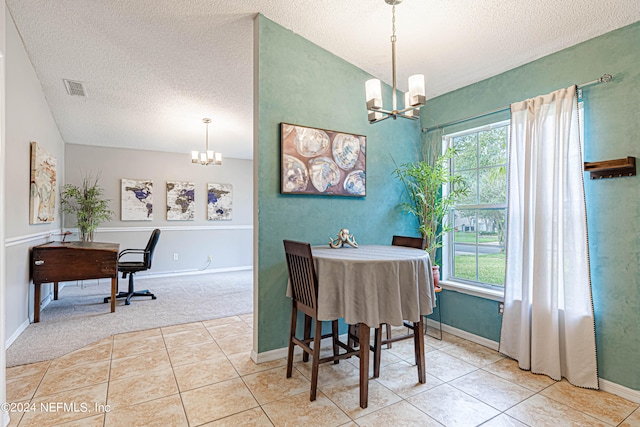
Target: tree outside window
476	248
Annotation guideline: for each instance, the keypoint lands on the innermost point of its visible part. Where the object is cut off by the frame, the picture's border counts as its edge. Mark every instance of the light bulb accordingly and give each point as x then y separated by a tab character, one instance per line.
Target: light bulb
416	90
373	90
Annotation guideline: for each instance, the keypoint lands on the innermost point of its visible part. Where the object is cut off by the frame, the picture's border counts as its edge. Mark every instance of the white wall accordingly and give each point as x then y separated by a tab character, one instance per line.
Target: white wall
28	118
4	416
229	243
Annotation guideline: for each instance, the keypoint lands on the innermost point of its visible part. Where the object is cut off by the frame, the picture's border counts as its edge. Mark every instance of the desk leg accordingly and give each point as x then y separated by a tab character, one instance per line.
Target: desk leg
364	364
36	302
55	291
114	288
419	344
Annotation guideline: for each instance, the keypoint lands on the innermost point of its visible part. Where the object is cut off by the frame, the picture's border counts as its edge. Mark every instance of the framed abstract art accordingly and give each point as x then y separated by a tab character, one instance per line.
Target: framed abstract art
322	162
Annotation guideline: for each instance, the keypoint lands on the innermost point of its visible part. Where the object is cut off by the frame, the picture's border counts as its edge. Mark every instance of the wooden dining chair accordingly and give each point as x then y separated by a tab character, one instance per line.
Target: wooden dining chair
378	342
304	297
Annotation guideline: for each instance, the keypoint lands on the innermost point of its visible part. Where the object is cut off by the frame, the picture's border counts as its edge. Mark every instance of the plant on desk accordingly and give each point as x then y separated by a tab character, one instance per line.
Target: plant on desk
86	202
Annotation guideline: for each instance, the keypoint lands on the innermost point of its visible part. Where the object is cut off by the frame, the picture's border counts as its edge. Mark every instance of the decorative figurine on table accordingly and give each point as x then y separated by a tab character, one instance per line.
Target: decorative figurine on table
343	237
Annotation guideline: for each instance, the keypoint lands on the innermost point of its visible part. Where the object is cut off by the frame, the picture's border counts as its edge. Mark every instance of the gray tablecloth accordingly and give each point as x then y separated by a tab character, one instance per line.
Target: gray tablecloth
374	284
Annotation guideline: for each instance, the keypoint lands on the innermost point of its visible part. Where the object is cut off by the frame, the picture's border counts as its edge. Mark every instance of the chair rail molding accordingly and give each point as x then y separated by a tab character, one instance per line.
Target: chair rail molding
26	238
167	228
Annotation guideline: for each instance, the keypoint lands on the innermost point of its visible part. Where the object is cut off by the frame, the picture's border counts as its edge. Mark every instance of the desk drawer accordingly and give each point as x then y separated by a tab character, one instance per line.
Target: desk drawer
60	264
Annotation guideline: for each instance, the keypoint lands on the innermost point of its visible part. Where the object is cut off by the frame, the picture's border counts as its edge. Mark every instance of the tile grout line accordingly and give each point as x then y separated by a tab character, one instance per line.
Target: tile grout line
261	406
106	397
184	409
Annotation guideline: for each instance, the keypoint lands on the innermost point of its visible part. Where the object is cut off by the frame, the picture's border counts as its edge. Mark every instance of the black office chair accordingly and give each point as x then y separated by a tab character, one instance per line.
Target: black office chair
132	267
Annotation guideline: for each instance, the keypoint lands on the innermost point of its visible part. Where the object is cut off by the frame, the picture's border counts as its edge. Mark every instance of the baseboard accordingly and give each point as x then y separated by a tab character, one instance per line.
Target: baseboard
175	274
16	334
193	272
26	323
620	390
464	334
49	297
605	385
268	356
47	300
279	353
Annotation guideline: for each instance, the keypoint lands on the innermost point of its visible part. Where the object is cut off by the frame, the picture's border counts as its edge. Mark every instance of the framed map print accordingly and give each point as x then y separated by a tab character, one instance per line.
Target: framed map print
137	200
180	201
219	201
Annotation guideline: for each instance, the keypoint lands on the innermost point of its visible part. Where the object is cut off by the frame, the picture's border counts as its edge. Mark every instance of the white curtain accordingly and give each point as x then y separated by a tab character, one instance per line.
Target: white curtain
548	323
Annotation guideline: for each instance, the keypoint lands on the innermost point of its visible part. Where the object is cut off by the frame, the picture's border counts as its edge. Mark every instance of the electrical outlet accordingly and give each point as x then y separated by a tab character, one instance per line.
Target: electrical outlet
209	258
500	308
175	256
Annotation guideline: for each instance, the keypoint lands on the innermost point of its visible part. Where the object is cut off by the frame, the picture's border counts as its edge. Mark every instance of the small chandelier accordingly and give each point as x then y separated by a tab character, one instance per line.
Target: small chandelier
208	157
413	99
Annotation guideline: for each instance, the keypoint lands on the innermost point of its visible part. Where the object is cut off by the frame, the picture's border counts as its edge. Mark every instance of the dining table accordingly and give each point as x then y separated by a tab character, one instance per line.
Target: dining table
373	284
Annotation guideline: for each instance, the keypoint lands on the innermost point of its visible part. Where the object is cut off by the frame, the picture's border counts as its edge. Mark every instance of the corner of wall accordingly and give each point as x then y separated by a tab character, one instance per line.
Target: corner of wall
3	299
300	82
256	127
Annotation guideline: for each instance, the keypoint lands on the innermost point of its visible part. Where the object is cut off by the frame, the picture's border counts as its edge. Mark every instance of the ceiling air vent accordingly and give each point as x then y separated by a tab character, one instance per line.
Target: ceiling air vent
75	88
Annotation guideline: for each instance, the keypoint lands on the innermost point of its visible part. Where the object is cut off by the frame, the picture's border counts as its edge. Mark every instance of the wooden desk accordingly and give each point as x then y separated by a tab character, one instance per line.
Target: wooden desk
56	262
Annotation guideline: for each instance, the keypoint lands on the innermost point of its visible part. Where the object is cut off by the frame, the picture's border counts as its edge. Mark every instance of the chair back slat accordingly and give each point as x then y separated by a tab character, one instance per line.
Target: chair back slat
409	242
302	274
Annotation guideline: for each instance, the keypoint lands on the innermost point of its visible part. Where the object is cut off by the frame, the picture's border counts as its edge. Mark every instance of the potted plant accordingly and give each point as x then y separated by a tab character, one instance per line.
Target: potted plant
87	204
424	183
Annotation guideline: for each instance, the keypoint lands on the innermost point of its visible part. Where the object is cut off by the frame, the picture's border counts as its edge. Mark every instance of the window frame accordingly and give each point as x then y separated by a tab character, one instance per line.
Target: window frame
491	292
485	290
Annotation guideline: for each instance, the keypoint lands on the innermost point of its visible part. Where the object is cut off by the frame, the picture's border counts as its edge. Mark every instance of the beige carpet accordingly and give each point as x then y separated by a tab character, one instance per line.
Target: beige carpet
79	316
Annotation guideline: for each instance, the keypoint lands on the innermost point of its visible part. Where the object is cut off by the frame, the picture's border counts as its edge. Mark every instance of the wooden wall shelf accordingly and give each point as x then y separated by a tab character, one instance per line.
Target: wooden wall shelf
611	168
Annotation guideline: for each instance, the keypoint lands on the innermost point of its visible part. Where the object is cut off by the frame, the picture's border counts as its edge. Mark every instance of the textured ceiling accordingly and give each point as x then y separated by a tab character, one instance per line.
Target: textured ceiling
154	68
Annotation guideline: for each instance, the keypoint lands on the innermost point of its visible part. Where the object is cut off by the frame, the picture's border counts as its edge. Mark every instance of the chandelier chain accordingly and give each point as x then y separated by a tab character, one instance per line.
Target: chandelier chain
393	21
207	136
414	98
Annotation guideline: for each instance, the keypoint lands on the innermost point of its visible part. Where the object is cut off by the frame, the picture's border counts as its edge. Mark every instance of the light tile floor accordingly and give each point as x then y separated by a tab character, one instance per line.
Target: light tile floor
200	374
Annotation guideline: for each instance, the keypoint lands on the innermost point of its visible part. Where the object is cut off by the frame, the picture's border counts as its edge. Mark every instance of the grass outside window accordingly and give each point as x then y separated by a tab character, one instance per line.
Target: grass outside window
491	268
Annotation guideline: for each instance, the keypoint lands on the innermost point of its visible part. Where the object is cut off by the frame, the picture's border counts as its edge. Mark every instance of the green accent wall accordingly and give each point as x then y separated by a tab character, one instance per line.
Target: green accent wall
298	82
612	130
301	83
478	316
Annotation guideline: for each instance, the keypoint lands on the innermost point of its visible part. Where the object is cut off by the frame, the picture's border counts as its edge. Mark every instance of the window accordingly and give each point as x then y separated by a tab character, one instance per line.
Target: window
474	251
